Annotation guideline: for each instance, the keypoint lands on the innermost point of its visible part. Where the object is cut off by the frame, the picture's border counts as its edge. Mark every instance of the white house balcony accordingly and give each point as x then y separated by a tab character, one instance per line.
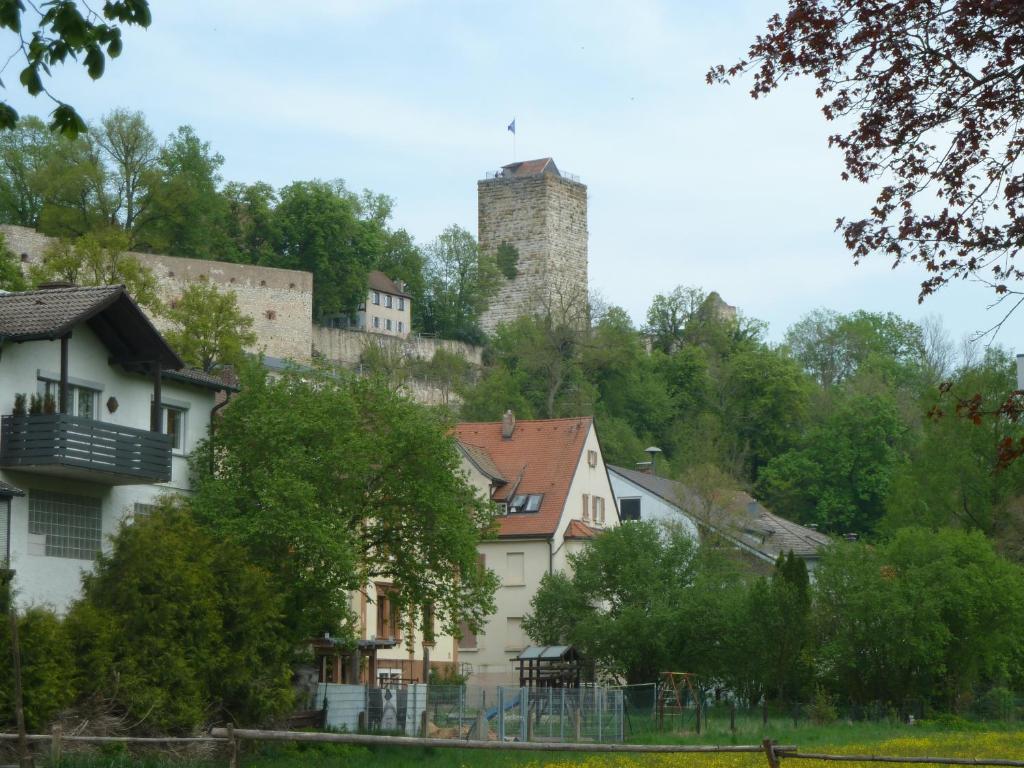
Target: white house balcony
84	449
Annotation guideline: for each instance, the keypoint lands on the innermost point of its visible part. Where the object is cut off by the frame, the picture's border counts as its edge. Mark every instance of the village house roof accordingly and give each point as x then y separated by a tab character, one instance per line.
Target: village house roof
579	530
531	168
109	311
740	518
380	282
540	458
482	460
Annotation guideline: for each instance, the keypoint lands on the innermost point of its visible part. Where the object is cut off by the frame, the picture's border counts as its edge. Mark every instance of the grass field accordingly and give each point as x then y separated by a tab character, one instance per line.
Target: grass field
921	740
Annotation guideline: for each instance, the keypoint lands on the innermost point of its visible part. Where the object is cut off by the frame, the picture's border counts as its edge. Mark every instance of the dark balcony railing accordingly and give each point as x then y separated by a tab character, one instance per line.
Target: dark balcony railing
85	448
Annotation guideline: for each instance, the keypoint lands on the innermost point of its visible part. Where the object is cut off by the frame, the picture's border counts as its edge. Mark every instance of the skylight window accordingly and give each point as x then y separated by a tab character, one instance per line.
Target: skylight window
523	502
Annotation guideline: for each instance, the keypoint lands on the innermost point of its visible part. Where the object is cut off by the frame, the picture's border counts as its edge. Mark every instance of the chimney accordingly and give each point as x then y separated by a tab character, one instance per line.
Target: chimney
400	285
508	424
645	467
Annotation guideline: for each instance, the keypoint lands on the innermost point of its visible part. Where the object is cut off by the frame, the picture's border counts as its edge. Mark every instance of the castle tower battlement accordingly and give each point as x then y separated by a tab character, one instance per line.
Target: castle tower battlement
542	212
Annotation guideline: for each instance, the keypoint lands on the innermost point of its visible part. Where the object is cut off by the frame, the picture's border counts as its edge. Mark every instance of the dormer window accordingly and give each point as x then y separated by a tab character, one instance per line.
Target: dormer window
526	502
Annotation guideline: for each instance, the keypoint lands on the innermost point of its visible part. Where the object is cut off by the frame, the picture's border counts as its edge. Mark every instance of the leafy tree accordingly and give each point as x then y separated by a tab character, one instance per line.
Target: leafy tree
210	331
834	347
949	478
185	215
61	29
325	229
251	225
97	259
668	315
638	599
25	151
47	666
332	481
73	185
11	277
460	282
930	98
764	401
839	476
131	151
176	627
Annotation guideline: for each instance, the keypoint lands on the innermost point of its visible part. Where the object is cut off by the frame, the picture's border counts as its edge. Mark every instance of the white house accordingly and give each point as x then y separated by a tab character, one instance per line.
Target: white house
551	486
115	419
740	519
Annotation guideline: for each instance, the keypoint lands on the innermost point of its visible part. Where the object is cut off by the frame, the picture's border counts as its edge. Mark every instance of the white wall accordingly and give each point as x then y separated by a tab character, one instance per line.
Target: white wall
56	581
652	506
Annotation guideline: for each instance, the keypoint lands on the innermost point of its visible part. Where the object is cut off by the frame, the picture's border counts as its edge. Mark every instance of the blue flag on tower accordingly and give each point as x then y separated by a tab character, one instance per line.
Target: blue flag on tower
512	126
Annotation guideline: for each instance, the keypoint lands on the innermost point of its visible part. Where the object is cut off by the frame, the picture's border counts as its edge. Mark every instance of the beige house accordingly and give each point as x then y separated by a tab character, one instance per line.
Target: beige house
388	308
549	481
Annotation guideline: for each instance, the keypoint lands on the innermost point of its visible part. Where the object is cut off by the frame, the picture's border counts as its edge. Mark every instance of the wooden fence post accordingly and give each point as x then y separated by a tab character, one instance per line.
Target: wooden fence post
232	747
769	751
24	755
56	744
732	717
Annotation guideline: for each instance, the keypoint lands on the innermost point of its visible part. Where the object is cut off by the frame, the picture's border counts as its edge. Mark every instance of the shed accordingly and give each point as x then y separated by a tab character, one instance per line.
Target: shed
549	666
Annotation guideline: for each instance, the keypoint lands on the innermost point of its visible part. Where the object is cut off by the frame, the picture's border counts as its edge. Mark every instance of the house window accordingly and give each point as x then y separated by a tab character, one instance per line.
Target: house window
376	322
515	569
376	297
388	615
586	506
143	510
174	425
629	509
387	300
401	303
515	638
71	524
82	401
592	458
599	510
387	324
467	638
526	502
401	327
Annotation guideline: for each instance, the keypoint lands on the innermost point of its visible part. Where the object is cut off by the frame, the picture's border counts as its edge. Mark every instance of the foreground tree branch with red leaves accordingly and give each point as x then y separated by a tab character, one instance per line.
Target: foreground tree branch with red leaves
931	94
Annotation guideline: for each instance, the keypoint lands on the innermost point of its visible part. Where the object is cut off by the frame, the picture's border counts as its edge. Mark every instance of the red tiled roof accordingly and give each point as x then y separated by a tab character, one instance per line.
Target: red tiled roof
577	529
531	167
541	457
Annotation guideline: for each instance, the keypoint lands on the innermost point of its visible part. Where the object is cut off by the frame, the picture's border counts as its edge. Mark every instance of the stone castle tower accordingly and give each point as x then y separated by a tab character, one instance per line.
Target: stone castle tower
542	212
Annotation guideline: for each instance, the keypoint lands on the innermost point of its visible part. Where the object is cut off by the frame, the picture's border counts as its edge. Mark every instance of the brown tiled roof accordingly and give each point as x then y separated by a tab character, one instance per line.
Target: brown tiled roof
49	314
6	489
531	168
380	282
199	378
109	310
540	457
483	461
577	529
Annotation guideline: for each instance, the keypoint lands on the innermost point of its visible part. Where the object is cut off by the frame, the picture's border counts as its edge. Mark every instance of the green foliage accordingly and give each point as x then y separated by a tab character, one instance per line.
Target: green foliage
47	667
839	476
639	599
507	258
176	628
97	259
64	29
210	331
11	277
460	282
331	481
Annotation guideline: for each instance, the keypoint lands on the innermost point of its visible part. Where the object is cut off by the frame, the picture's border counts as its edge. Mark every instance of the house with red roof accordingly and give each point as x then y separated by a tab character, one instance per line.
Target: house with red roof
550	484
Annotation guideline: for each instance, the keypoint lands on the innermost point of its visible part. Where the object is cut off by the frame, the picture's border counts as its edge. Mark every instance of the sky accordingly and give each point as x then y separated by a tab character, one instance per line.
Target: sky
688	183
